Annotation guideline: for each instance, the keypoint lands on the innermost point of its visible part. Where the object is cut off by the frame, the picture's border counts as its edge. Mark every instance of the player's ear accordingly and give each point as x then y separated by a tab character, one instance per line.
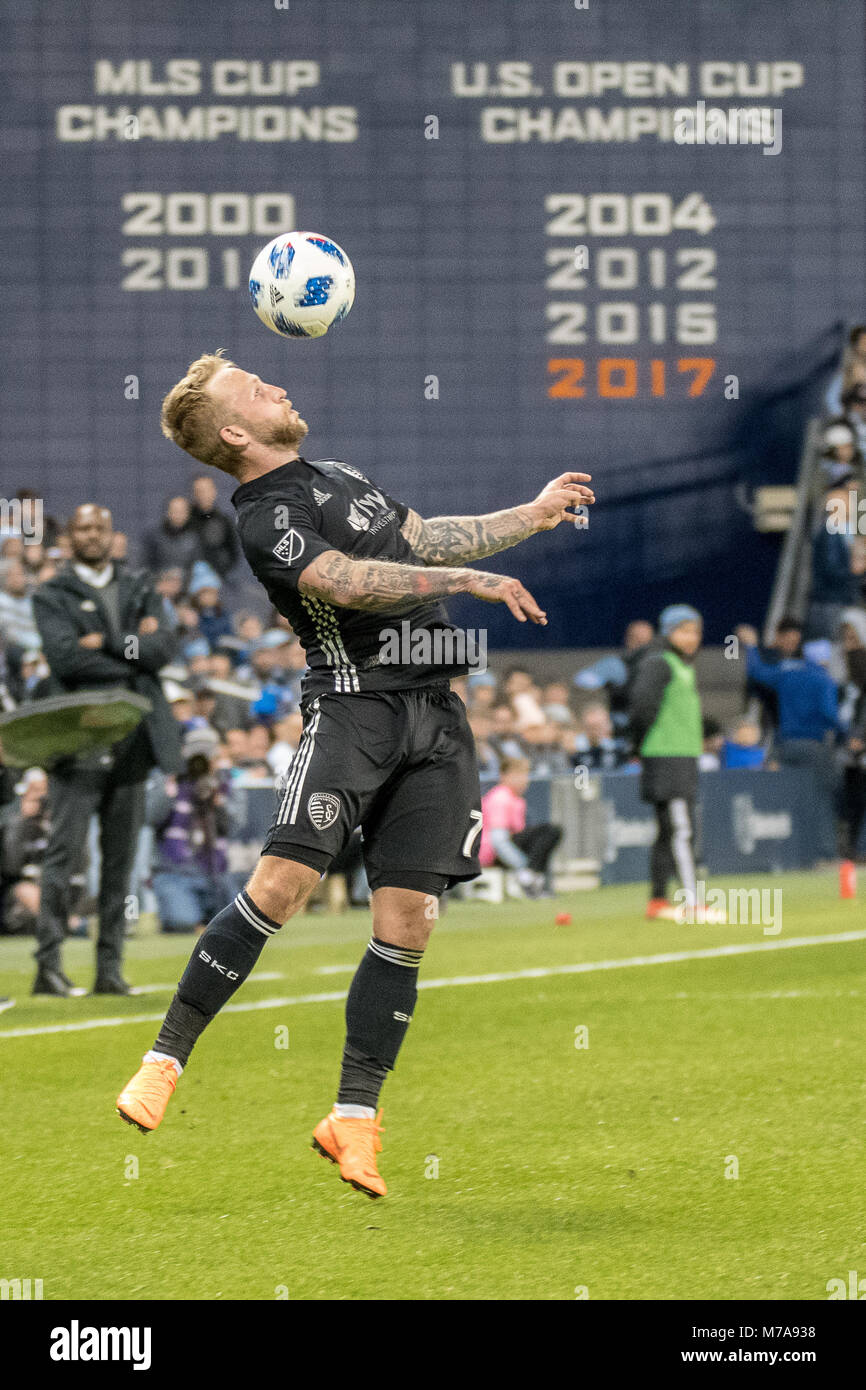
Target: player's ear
235	437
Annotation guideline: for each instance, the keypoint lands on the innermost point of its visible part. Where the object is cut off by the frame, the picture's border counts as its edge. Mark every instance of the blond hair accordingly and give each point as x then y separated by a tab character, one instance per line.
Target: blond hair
191	417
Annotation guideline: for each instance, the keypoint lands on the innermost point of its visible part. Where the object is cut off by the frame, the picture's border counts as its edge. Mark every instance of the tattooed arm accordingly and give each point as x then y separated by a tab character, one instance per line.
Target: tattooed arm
379	586
444	540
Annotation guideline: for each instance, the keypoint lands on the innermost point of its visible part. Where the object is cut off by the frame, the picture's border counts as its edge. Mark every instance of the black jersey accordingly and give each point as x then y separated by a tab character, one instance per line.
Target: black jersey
298	511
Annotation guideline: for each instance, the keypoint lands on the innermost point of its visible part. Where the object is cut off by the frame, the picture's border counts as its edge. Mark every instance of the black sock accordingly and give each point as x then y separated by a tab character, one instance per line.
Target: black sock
378	1012
222	958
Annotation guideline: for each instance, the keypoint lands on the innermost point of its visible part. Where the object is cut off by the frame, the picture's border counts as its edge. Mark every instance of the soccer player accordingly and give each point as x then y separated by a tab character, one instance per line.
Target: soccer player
668	732
385	745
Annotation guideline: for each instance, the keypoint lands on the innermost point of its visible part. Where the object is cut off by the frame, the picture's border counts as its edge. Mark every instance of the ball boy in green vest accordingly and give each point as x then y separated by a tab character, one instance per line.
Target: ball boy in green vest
667	729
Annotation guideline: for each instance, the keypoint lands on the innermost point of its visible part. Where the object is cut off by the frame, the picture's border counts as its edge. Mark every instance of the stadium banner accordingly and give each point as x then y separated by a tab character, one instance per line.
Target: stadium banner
260	801
614	237
750	822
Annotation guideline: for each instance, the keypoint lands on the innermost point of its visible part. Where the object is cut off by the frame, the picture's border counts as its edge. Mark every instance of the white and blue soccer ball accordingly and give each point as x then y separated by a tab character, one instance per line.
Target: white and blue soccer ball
301	283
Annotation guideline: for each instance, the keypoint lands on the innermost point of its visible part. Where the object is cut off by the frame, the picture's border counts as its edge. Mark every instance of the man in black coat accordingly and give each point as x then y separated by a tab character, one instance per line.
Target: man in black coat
216	531
101	626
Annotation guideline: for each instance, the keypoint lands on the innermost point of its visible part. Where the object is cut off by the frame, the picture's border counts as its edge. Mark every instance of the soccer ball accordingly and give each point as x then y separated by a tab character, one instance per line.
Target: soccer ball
301	283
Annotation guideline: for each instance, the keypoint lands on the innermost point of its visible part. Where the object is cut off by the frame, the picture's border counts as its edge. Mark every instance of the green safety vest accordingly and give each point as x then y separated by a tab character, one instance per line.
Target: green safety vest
677	731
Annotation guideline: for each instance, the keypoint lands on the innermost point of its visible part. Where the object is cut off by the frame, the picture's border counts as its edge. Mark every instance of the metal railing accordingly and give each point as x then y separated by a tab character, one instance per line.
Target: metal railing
794	573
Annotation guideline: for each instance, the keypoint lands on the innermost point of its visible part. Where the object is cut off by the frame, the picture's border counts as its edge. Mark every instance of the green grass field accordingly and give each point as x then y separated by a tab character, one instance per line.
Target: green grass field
559	1167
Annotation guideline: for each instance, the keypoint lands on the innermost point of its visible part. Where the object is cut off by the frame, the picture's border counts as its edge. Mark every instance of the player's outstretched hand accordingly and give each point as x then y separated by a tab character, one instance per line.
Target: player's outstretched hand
498	588
553	503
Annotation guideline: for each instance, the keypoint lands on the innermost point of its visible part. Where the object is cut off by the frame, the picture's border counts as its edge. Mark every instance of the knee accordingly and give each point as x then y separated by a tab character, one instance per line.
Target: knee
404	918
280	887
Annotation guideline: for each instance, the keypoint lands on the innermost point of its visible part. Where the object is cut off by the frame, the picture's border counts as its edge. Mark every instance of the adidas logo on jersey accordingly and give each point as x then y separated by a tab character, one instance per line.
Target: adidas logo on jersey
321	496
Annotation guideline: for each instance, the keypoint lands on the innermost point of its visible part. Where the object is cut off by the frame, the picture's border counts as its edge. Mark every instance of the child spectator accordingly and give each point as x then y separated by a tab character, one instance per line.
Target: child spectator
506	841
742	747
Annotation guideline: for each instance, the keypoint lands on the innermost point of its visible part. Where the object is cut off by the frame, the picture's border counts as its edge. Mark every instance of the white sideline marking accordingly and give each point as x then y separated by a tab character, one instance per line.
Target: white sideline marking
540	972
334	969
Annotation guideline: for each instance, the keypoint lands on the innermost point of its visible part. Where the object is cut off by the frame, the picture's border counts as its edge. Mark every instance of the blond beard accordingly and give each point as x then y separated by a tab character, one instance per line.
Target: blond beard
289	434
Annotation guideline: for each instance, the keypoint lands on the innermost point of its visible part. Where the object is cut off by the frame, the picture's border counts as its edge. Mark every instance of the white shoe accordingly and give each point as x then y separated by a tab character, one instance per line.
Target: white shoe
533	884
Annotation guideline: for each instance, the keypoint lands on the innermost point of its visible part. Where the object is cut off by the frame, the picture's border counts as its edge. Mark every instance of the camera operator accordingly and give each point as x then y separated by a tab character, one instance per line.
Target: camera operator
192	816
25	828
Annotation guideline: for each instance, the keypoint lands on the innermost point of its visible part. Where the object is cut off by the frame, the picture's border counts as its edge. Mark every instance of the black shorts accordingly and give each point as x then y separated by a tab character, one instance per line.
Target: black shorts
401	764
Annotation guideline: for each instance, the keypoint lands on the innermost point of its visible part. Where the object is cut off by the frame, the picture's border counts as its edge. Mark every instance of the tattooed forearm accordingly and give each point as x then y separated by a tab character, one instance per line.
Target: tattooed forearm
444	540
377	585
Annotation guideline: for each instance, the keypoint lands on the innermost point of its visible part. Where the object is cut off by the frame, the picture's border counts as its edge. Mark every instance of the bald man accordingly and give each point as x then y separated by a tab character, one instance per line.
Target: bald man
102	626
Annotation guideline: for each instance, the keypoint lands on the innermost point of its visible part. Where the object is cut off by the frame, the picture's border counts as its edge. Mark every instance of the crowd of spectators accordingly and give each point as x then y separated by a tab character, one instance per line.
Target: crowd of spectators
838	561
235	689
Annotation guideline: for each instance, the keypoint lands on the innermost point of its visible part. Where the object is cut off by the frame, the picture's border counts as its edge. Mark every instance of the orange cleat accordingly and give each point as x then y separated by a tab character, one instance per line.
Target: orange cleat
353	1144
143	1100
660	907
709	916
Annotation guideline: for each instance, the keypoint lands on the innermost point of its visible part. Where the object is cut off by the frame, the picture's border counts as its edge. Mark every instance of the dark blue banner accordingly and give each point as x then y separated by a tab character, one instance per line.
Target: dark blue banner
620	237
750	822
